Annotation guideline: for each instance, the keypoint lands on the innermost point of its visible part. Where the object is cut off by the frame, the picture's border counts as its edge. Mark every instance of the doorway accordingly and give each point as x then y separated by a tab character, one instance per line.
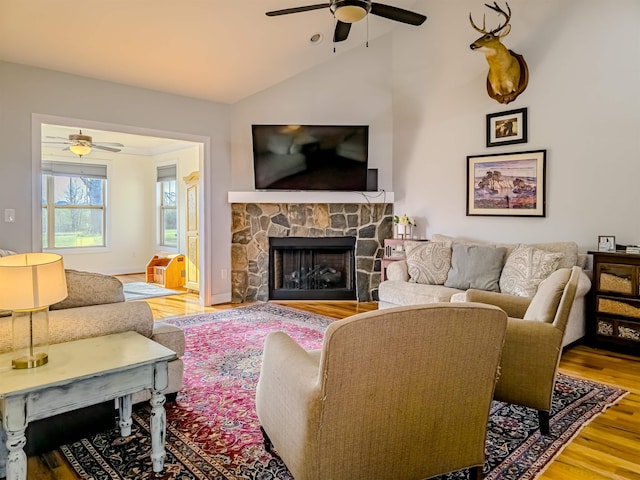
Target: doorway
132	233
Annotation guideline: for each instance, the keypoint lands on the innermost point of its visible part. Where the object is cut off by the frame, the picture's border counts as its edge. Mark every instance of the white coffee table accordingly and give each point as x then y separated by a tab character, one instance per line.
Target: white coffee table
79	374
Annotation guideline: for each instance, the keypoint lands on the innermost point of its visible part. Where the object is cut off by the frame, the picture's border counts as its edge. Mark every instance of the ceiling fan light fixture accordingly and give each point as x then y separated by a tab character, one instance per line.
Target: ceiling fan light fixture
350	14
80	149
350	11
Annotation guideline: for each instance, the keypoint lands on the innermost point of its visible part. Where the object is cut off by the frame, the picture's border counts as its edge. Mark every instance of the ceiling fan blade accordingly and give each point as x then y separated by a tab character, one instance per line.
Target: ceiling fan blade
287	11
59	138
108	144
342	31
397	14
108	149
49	142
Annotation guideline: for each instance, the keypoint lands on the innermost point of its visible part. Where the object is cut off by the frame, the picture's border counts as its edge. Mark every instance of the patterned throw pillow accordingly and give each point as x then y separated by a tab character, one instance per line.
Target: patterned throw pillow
525	268
428	262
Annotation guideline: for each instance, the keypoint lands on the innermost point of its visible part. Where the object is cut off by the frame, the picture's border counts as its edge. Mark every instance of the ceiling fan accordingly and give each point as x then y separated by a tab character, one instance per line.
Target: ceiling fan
81	144
347	12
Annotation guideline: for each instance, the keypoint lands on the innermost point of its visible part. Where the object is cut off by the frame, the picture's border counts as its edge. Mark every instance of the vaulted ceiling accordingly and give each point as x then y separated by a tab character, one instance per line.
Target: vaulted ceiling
219	50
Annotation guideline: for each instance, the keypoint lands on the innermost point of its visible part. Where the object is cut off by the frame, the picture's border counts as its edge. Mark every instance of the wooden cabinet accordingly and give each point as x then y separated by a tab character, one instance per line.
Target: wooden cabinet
192	280
614	313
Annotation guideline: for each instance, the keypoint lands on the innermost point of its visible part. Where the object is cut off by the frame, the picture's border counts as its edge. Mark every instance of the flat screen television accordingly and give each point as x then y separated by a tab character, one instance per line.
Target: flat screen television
310	157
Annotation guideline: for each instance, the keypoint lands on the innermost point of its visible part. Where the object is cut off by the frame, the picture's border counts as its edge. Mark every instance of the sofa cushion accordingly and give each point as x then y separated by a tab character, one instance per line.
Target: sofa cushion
475	266
86	288
544	305
397	292
525	268
569	250
428	262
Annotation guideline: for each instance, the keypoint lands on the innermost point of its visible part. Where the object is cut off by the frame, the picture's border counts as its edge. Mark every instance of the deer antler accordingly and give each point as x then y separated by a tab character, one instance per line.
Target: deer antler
495	8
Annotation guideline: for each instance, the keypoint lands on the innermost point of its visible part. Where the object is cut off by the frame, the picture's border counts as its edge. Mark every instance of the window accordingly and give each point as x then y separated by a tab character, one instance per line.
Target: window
167	211
73	205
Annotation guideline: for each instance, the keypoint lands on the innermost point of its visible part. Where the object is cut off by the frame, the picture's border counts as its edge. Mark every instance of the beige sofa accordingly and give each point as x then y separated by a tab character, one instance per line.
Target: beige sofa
95	306
446	267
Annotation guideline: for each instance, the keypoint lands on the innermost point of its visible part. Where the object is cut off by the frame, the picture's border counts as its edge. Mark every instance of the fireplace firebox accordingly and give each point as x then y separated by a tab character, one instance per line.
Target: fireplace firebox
310	268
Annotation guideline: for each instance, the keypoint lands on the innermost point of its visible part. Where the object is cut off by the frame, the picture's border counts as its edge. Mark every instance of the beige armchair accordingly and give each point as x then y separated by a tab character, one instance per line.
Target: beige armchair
533	344
401	393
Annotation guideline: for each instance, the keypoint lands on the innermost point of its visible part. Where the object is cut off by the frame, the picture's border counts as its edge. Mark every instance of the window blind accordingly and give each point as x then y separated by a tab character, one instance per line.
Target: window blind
69	169
166	173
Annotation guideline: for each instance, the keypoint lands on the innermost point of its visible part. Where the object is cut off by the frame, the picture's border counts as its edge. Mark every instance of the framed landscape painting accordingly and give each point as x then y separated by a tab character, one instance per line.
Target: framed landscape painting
507	184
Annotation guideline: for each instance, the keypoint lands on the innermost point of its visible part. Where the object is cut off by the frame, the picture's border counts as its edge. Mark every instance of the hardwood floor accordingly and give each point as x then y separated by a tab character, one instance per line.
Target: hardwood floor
607	448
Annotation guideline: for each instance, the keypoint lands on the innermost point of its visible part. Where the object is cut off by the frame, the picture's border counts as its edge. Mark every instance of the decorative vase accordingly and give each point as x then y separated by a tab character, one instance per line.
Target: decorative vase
403	231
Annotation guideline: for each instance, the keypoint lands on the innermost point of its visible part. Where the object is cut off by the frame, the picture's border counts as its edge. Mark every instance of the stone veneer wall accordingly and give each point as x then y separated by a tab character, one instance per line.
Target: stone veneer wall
254	223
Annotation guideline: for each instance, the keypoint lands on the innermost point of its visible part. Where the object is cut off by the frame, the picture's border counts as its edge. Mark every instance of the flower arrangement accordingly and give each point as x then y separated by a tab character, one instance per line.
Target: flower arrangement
404	220
403	225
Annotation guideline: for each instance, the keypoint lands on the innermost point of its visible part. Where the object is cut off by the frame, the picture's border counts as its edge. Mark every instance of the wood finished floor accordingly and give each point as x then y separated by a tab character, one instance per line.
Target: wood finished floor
607	448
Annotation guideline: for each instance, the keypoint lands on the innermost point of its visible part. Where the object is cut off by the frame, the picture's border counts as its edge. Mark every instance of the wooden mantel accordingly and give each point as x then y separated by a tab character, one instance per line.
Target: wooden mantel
310	197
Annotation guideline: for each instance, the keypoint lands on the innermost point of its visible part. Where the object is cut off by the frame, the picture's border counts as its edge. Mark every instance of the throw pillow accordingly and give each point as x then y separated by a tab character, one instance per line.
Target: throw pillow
428	262
525	268
475	266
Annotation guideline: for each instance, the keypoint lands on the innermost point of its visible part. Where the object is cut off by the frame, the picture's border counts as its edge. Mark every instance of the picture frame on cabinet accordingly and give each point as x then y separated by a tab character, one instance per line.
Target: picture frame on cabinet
507	128
507	184
606	243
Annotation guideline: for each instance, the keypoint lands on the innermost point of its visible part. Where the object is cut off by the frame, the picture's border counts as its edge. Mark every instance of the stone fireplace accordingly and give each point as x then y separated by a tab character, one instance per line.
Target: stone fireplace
253	224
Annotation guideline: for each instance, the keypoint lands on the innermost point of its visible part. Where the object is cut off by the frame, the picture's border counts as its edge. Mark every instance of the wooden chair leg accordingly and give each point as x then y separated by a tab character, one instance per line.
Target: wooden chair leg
475	473
268	446
543	422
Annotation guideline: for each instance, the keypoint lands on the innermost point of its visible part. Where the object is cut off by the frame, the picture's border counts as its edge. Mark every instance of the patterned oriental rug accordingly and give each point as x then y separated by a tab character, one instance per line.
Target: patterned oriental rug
213	431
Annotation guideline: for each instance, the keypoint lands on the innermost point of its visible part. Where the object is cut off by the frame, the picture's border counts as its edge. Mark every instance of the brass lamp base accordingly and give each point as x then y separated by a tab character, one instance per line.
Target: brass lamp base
30	361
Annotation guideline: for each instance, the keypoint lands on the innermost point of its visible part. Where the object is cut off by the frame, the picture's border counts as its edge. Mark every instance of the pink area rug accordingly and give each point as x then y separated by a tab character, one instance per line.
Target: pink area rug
213	432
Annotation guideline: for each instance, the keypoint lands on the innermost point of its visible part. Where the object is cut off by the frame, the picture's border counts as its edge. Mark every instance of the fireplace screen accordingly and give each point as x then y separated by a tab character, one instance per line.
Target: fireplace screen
312	268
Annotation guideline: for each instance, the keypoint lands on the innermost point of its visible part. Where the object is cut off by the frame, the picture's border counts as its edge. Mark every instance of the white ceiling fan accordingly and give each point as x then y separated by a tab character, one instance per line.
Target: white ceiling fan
81	144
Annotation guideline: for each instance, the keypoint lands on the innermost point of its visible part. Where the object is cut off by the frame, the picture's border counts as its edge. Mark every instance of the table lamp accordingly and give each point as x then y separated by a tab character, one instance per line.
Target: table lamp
30	283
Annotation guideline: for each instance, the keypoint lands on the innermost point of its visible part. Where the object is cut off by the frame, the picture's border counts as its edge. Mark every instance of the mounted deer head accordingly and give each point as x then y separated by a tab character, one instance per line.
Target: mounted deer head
508	72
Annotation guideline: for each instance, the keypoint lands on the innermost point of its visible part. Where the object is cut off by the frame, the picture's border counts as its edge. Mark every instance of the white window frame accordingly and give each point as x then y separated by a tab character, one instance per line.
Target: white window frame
166	173
51	169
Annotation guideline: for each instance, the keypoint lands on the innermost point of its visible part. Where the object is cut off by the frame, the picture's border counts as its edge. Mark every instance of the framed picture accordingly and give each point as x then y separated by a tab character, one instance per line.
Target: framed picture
507	128
606	243
507	184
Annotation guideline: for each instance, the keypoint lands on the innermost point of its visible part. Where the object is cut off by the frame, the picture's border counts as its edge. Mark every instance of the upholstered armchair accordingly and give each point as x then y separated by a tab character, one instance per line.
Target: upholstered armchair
533	343
401	393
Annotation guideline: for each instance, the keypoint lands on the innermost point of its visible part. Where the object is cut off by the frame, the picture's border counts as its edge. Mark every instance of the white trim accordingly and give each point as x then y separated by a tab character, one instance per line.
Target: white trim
311	197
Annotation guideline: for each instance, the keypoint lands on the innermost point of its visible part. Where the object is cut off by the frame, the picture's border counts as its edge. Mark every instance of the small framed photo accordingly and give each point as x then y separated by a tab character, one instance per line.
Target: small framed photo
606	243
507	128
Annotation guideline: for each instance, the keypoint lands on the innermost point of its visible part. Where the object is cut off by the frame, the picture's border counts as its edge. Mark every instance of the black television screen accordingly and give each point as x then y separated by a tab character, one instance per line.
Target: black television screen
310	157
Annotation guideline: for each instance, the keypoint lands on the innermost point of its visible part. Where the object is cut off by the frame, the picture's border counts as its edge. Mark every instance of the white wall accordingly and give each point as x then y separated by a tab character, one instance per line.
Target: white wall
355	88
27	91
583	101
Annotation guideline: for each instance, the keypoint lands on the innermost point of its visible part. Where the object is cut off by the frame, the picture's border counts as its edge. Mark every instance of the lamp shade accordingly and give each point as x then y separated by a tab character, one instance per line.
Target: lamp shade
31	280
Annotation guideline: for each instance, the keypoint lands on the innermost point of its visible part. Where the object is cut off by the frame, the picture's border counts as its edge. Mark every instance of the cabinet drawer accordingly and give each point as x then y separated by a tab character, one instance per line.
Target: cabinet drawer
617	278
607	327
622	307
